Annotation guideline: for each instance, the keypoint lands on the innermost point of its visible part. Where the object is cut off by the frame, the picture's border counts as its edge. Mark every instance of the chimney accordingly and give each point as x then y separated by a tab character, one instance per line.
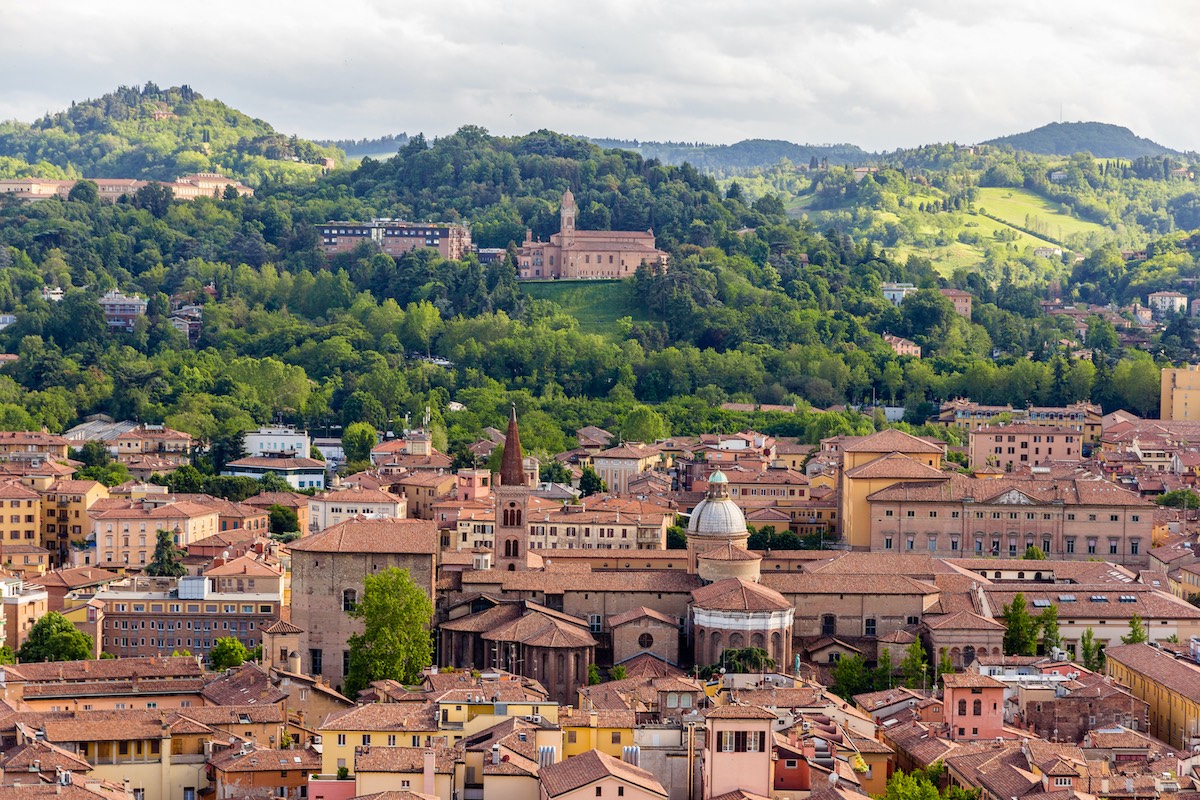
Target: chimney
495	754
427	773
293	662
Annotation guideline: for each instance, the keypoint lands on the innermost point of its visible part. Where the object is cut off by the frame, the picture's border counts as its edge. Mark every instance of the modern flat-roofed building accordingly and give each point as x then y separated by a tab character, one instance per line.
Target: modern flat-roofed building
299	472
396	237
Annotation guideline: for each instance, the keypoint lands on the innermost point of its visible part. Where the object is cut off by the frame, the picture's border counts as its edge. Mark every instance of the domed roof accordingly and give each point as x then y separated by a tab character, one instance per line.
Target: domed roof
717	516
718	477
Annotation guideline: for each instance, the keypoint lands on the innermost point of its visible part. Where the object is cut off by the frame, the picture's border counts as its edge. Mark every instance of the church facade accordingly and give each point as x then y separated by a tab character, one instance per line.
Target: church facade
572	253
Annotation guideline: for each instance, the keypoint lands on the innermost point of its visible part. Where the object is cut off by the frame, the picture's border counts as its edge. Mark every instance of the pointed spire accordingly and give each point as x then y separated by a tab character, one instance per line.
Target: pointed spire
512	467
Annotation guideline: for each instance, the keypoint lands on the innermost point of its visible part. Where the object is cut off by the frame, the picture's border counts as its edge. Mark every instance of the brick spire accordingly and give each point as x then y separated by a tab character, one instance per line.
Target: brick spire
512	467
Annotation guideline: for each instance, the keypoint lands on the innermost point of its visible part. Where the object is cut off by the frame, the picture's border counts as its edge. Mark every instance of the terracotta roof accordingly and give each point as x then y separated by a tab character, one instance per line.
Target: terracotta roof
244	565
962	620
630	450
13	490
590	766
269	713
737	594
738	711
892	441
267	760
1159	668
1070	491
1145	601
417	717
41	756
248	684
970	680
537	628
105	669
801	583
895	465
729	552
286	499
277	463
77	577
675	580
641	612
79	787
280	626
414	536
403	759
354	495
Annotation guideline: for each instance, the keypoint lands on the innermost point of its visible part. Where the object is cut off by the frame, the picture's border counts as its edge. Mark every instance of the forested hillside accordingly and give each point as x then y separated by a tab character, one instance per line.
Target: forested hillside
740	156
1098	138
156	133
756	307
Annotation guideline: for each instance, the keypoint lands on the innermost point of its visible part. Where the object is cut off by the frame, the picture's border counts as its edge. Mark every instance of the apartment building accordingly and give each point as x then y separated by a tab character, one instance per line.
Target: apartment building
159	441
65	514
1023	444
146	616
20	514
277	440
616	466
338	505
33	446
125	532
300	473
396	237
1081	417
24	604
1169	684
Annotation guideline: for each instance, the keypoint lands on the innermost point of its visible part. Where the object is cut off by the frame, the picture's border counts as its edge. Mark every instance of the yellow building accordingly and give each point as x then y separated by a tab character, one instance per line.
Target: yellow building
65	520
1180	395
608	731
875	462
20	514
1170	686
411	724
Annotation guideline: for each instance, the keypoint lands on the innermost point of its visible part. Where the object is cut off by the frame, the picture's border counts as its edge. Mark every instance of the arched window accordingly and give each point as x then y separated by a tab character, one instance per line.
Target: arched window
349	599
512	548
977	708
962	708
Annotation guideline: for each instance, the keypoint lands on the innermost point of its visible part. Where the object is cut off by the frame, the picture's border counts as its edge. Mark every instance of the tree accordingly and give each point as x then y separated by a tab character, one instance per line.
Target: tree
945	665
93	454
272	482
54	638
914	786
1179	498
168	559
676	538
618	673
914	669
554	471
85	192
850	677
1020	638
1137	631
590	483
644	424
357	440
283	519
1051	639
228	651
593	675
1090	651
882	677
395	643
1034	553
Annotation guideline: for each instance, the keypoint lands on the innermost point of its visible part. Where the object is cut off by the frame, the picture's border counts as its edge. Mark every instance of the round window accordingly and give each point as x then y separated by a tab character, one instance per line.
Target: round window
645	640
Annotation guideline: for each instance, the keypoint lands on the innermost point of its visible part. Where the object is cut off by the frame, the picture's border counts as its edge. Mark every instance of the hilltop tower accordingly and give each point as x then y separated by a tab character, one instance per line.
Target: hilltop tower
512	503
567	218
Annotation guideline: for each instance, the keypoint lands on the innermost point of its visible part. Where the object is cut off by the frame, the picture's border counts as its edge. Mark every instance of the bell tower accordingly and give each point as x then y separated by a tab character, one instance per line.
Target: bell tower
567	218
512	503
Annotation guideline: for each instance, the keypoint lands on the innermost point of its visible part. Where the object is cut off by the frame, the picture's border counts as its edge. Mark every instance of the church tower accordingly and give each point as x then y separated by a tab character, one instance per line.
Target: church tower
512	503
567	218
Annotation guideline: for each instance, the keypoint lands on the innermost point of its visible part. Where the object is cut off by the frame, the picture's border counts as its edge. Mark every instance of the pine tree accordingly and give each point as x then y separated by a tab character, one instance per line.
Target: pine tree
168	559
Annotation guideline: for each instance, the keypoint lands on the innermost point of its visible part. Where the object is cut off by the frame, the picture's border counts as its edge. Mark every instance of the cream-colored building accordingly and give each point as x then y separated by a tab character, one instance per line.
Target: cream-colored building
338	505
617	465
126	533
1180	394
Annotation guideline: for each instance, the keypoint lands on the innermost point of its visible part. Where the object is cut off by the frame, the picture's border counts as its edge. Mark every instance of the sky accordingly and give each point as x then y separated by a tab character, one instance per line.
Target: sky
878	73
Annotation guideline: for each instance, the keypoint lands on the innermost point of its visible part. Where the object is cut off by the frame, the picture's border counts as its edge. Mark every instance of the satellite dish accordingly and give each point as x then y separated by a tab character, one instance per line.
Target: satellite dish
833	778
225	554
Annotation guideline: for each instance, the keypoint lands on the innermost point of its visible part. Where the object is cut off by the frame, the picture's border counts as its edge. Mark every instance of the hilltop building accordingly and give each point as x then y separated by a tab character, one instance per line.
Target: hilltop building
573	253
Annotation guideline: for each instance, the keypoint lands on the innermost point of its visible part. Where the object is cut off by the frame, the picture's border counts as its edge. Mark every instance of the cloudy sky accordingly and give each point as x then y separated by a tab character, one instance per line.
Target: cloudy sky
878	73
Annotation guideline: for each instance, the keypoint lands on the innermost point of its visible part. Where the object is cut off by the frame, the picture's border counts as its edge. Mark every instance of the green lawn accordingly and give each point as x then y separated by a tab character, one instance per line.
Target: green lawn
1013	205
596	304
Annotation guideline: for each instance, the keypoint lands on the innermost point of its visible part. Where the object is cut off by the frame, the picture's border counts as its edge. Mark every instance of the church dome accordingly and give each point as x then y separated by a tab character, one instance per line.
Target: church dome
717	514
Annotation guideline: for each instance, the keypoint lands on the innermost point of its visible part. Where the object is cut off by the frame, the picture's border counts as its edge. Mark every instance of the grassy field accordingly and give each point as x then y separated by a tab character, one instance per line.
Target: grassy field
596	304
1014	205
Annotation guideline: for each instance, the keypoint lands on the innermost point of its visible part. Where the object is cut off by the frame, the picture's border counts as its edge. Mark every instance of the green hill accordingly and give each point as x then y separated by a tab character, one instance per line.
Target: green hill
746	154
597	305
1098	138
156	133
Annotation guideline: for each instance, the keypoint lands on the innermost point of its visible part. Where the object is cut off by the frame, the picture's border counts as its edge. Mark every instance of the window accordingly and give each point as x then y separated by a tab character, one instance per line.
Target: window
977	708
1134	546
828	625
645	641
366	740
570	737
317	661
962	708
616	737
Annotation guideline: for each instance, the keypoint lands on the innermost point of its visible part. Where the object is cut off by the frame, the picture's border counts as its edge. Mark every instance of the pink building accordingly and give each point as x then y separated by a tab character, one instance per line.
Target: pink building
1023	445
902	346
737	750
972	706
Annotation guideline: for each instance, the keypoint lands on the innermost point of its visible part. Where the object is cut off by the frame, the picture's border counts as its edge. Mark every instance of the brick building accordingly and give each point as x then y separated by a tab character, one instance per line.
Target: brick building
1023	444
328	570
573	253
